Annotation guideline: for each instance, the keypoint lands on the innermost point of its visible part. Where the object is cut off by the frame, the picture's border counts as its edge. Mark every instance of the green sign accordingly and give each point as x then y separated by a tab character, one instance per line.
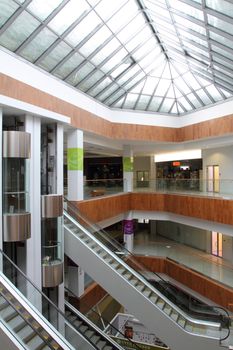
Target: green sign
127	163
75	158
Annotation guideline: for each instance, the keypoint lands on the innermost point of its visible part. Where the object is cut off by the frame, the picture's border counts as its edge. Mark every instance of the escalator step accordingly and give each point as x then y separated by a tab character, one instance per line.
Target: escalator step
108	347
133	281
11	316
89	333
83	328
174	315
43	347
147	292
140	287
95	338
17	323
35	342
77	323
101	344
153	298
7	311
3	303
24	332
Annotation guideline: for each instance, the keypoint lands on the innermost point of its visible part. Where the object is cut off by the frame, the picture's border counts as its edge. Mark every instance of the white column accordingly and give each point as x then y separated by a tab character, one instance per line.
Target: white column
75	193
33	245
76	280
1	233
59	167
128	168
128	230
75	165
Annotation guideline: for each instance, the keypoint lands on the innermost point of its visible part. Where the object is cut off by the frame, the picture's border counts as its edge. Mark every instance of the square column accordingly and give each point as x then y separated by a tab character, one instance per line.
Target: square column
128	168
75	165
75	193
33	245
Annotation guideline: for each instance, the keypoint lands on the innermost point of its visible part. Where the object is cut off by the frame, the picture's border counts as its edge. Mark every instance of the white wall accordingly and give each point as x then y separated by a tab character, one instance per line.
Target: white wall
188	235
222	156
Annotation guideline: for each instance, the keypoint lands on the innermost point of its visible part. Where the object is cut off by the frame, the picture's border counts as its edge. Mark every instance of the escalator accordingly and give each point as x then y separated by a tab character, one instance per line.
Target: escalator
119	273
21	303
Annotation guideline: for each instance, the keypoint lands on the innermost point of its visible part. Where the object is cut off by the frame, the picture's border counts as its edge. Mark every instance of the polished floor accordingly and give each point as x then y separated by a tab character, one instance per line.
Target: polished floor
216	268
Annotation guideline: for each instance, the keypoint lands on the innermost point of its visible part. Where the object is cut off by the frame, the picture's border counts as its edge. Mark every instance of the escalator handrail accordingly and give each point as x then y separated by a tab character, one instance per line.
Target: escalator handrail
68	322
111	240
100	316
115	243
140	277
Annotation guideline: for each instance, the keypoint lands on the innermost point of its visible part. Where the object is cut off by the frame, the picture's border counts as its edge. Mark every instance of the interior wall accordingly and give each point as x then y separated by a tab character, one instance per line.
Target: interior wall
223	157
227	248
188	235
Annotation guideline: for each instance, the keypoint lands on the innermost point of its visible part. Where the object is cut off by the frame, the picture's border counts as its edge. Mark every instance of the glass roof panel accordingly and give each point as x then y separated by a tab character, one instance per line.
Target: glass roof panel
221	39
107	8
76	77
7	8
42	12
143	102
147	55
55	56
220	24
67	67
59	24
189	25
124	16
95	41
194	100
222	52
80	31
38	45
187	9
88	83
215	94
221	6
18	31
106	51
166	106
130	101
155	104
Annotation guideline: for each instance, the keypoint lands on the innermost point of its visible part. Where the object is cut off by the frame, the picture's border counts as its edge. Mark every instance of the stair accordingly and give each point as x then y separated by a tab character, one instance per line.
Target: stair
96	337
24	327
134	292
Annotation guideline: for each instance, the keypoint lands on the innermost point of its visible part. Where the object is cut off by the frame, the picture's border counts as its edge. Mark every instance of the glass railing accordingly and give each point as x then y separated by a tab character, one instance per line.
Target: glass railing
216	315
99	320
102	187
221	187
43	304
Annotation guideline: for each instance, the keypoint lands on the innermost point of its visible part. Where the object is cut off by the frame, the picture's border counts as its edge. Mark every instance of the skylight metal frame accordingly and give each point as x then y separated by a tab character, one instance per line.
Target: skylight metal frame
214	66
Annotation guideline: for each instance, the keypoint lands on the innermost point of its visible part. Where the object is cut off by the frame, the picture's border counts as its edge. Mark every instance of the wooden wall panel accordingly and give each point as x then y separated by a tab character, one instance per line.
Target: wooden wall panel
201	284
90	122
92	295
99	209
211	209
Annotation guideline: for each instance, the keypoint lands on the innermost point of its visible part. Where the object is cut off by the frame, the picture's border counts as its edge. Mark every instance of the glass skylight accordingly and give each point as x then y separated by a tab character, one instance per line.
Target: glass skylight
162	56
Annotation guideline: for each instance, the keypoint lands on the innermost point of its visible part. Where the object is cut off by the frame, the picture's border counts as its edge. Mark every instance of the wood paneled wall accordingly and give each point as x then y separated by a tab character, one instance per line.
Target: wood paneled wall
206	208
90	122
99	209
92	295
201	284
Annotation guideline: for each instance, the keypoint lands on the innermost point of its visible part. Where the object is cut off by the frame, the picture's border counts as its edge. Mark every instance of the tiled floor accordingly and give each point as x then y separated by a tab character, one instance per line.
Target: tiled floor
209	265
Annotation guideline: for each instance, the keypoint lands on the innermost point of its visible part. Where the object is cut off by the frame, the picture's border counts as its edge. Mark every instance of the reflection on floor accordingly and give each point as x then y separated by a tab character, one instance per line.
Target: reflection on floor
207	264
